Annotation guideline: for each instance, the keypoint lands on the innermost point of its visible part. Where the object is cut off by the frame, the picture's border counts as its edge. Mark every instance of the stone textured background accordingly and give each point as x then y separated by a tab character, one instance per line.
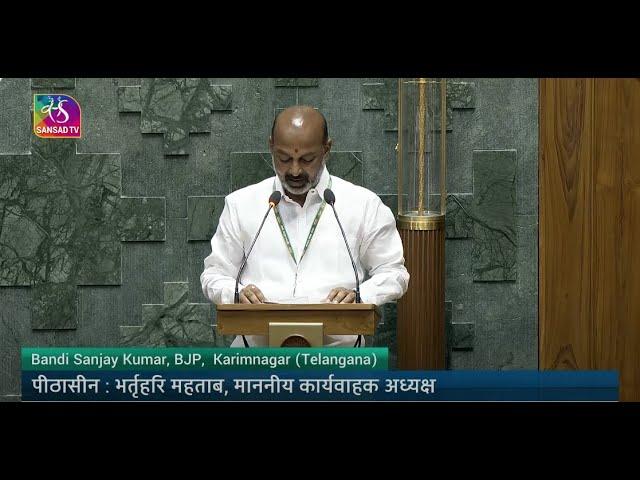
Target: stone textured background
102	239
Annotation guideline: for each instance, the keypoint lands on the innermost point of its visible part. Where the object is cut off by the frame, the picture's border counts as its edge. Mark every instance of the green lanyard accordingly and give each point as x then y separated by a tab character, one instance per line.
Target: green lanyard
285	236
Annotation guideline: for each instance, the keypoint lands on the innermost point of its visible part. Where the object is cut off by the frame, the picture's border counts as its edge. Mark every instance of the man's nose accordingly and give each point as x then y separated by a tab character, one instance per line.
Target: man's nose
296	168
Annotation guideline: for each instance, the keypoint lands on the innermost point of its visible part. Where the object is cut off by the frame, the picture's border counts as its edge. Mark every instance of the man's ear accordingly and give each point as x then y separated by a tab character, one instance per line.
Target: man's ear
270	143
327	146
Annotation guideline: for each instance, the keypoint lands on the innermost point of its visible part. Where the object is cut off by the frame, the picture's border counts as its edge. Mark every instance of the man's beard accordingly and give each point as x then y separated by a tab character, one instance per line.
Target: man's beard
300	189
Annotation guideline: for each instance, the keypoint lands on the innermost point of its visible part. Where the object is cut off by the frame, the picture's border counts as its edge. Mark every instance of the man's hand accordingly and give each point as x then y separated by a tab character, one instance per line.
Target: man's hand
251	294
341	295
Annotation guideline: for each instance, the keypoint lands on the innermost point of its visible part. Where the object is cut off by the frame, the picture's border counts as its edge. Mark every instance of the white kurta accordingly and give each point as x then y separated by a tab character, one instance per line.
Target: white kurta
369	226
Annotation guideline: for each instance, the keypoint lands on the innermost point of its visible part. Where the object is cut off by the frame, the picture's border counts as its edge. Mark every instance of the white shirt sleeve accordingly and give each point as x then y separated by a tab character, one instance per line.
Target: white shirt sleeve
382	257
227	251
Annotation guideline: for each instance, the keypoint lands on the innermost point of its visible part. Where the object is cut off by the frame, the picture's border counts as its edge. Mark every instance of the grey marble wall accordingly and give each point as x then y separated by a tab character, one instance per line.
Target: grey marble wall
102	239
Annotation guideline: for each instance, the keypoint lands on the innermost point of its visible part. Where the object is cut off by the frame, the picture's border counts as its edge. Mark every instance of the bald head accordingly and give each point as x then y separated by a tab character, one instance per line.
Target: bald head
298	121
299	144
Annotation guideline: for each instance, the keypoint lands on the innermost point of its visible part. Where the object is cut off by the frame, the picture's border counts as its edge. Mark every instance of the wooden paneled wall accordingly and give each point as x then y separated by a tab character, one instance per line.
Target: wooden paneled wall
590	227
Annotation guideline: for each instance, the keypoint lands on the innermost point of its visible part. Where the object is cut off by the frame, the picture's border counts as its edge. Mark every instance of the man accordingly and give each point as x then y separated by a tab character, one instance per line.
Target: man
293	261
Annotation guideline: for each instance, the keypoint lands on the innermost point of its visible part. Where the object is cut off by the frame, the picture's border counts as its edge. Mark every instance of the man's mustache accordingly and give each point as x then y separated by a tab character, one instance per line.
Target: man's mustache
290	178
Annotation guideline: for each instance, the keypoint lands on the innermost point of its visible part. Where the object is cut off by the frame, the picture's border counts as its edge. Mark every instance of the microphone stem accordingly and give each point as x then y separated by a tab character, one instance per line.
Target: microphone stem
353	264
236	295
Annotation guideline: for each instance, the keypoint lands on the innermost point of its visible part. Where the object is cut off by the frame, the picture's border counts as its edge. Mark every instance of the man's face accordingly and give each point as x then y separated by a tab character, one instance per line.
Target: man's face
299	171
299	155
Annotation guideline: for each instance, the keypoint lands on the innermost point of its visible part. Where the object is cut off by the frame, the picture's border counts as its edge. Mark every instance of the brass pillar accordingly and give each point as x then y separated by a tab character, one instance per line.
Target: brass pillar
421	221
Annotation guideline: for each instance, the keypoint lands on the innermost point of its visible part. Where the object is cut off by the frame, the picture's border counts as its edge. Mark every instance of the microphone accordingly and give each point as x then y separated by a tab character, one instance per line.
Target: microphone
274	199
330	198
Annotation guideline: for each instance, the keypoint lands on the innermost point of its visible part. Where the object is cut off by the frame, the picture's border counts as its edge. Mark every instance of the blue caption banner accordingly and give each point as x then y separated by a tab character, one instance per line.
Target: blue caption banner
317	385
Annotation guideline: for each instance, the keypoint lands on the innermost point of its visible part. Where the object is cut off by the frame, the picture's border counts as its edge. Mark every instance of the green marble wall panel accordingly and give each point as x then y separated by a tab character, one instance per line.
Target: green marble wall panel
175	107
15	120
57	83
143	277
386	330
384	96
174	257
54	306
459	217
100	313
505	117
296	82
98	100
462	335
129	99
16	332
374	96
347	165
248	168
204	213
143	219
494	202
174	323
380	96
61	214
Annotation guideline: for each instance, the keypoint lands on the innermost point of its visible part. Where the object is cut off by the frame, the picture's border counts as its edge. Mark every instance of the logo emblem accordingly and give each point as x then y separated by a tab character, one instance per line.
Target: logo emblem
56	116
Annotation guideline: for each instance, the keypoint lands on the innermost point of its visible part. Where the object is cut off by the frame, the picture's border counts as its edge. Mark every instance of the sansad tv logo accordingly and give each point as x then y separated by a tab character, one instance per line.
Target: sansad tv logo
56	116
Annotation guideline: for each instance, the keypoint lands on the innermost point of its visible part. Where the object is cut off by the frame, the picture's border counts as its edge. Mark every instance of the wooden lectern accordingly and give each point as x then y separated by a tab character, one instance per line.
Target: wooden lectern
297	325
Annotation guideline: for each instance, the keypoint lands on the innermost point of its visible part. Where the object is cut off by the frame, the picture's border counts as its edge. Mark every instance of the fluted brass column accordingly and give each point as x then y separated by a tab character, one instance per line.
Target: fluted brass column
421	223
421	335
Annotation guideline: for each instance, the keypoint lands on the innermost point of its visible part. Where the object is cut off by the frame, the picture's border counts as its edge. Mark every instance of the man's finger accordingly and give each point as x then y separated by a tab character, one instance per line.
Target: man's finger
260	295
248	294
252	296
340	295
349	298
243	298
332	294
255	294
